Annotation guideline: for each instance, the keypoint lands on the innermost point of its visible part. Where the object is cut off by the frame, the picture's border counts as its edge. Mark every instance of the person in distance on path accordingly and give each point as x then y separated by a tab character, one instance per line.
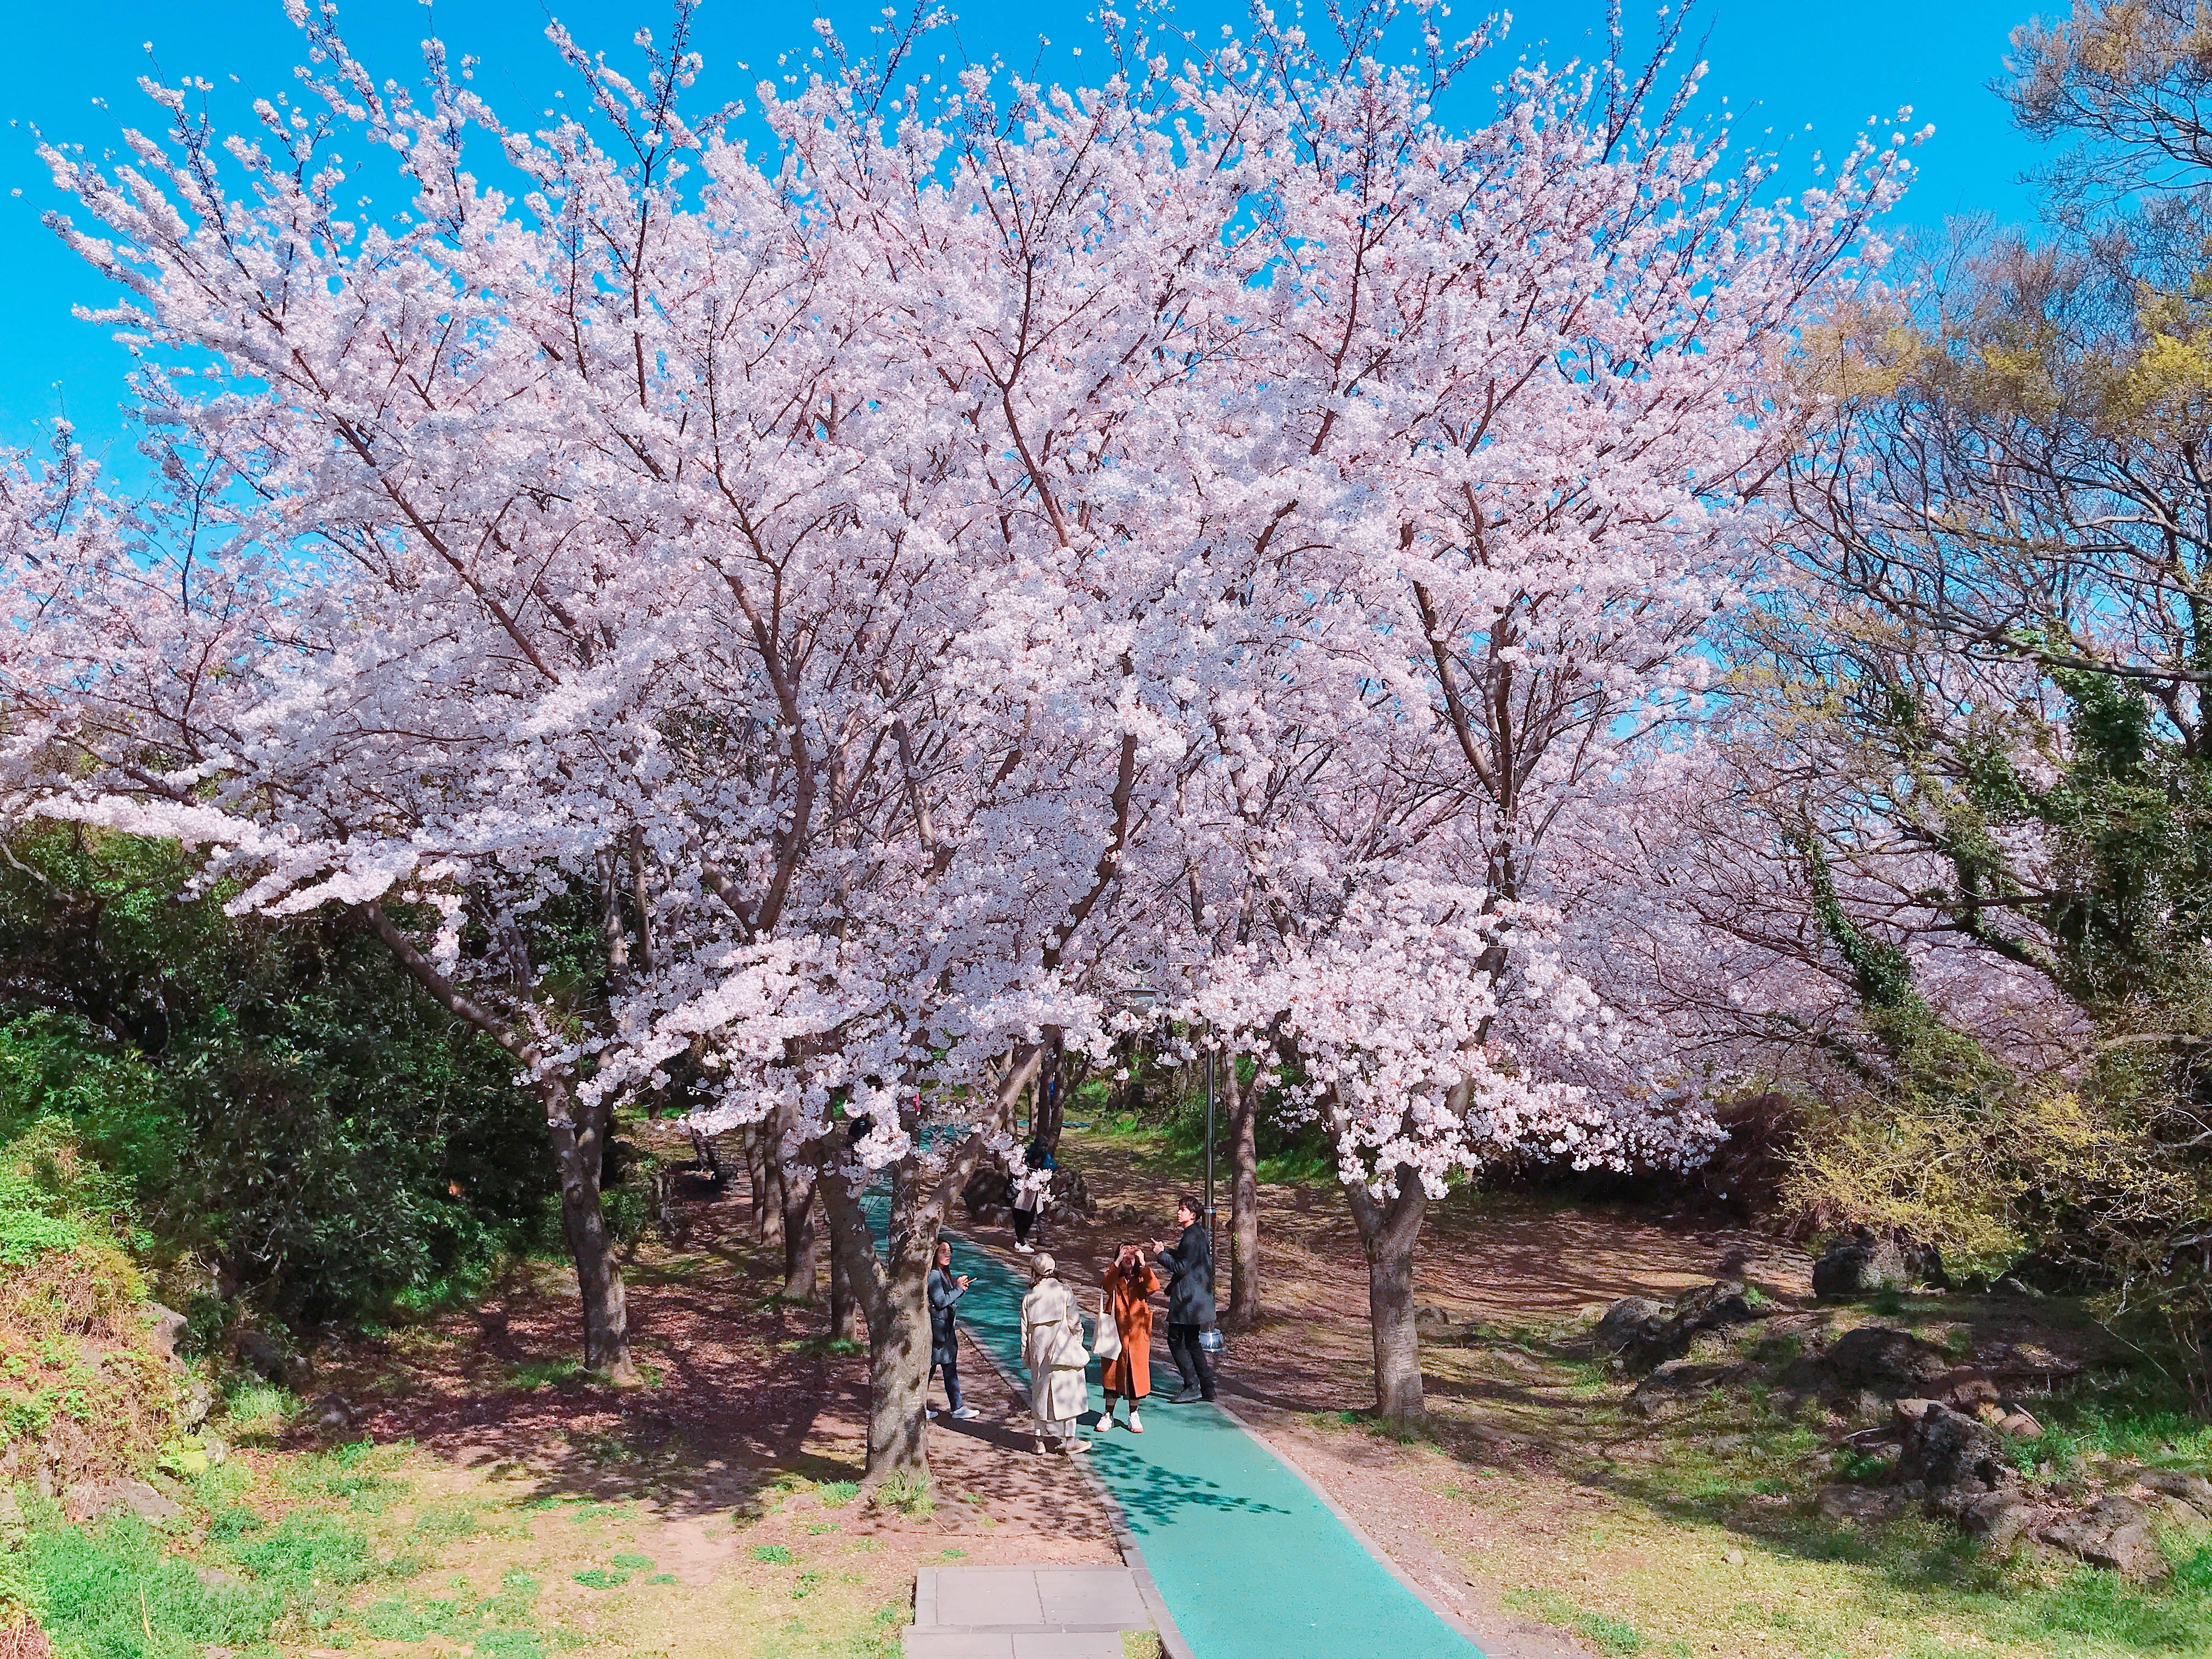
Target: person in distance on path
1130	1283
1052	1348
1189	1268
1032	1192
945	1291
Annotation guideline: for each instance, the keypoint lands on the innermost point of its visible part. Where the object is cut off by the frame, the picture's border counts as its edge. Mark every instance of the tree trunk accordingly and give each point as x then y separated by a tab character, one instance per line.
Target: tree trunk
755	1143
892	1287
843	1306
802	1240
1244	1198
579	1143
578	1138
774	1185
1388	1232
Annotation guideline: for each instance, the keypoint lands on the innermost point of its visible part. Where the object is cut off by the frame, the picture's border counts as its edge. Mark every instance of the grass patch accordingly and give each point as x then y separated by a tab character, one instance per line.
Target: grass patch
257	1407
534	1374
1608	1634
909	1495
600	1578
113	1592
776	1554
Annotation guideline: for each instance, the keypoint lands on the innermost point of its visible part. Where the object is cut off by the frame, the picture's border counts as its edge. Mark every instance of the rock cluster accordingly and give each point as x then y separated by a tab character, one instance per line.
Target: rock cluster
1863	1262
1949	1420
1645	1335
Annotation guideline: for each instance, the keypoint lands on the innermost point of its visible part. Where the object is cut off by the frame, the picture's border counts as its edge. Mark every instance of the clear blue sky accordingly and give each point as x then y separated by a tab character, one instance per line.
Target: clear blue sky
1782	64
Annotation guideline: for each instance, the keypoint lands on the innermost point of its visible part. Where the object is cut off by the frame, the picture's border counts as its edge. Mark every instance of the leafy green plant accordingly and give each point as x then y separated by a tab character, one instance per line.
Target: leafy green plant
908	1494
776	1554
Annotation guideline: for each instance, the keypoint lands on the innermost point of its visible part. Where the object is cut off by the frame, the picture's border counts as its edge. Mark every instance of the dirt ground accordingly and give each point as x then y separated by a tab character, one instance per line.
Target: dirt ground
1549	1518
737	1446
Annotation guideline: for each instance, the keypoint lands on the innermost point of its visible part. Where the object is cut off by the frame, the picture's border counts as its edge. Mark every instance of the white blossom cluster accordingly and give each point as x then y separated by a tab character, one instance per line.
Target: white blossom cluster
987	550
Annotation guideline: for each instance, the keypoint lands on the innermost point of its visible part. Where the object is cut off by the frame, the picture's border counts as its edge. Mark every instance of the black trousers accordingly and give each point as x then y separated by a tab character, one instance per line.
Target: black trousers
1024	1220
1192	1363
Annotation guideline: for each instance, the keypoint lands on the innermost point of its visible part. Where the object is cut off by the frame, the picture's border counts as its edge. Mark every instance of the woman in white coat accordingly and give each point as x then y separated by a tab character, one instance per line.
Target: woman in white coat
1052	1348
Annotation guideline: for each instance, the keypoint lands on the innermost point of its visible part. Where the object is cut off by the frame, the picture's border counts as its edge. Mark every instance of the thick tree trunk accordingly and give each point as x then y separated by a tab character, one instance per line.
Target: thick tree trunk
773	1186
802	1239
844	1307
898	1372
578	1146
1388	1232
890	1284
755	1144
1244	1198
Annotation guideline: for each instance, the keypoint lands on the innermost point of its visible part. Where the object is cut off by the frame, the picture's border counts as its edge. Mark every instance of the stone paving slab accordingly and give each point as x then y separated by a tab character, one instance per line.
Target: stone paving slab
1011	1645
1024	1613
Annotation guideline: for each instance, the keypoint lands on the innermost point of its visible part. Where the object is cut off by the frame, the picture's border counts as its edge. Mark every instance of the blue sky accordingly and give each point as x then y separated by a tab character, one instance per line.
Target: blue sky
73	70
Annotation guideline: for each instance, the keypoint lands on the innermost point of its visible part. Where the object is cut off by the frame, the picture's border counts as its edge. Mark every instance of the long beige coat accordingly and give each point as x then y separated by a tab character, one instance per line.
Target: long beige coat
1052	1348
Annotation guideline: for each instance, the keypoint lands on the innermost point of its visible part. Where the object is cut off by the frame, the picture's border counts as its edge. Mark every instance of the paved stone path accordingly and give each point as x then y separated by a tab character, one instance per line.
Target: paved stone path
1024	1613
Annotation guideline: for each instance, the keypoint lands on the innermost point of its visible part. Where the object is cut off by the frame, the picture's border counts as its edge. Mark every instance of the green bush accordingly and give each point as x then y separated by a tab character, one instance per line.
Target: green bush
276	1096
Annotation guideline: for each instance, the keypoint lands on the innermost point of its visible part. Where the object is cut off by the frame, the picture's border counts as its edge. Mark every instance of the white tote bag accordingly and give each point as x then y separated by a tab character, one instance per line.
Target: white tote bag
1107	1344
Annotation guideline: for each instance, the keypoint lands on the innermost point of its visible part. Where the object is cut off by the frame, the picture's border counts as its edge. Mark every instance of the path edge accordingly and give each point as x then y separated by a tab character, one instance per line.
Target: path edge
1172	1644
1426	1596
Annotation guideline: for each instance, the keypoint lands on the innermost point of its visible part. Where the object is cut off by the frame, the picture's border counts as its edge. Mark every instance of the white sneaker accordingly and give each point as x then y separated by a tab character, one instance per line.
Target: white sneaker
1105	1424
930	1412
1025	1249
964	1413
1135	1427
1075	1448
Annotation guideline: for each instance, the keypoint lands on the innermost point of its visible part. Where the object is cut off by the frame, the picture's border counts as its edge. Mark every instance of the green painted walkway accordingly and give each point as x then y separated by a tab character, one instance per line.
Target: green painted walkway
1252	1564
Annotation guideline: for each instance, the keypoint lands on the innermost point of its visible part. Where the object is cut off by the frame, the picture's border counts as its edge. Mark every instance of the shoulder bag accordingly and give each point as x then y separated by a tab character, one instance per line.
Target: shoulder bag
1107	1343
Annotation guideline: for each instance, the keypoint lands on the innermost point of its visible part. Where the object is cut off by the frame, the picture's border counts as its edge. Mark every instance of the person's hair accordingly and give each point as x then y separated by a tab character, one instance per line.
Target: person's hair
1042	1265
1185	1201
944	1244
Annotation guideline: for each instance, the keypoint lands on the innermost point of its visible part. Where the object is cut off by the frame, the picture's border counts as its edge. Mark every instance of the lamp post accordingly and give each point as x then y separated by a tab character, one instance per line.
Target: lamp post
1211	1228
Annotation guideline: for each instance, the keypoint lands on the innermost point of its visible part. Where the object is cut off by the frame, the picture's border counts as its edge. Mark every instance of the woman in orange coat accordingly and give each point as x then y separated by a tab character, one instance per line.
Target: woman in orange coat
1130	1284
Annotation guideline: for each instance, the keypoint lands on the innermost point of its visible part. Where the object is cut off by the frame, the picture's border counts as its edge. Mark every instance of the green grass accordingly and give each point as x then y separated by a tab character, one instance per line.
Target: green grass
260	1407
836	1494
532	1374
632	1560
600	1578
1608	1634
111	1592
776	1554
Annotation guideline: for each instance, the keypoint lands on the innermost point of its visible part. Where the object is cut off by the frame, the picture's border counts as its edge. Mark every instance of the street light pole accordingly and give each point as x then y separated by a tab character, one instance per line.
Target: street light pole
1210	1228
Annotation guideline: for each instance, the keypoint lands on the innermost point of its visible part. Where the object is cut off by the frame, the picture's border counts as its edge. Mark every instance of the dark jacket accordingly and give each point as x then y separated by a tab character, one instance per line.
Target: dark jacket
944	1291
1189	1268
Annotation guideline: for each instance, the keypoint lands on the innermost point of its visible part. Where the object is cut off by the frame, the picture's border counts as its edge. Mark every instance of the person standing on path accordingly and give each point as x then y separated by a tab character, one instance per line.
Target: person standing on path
1052	1348
946	1291
1189	1268
1130	1283
1032	1193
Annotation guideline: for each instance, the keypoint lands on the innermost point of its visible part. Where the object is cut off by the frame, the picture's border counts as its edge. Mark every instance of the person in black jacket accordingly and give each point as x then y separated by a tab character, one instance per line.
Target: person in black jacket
1189	1270
945	1290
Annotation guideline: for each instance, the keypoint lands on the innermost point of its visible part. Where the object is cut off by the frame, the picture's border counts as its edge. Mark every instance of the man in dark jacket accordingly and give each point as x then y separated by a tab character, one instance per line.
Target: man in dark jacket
945	1291
1189	1270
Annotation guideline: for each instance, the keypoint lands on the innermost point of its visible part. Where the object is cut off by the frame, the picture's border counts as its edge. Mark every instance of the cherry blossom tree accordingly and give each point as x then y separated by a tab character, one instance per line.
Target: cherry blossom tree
1001	545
